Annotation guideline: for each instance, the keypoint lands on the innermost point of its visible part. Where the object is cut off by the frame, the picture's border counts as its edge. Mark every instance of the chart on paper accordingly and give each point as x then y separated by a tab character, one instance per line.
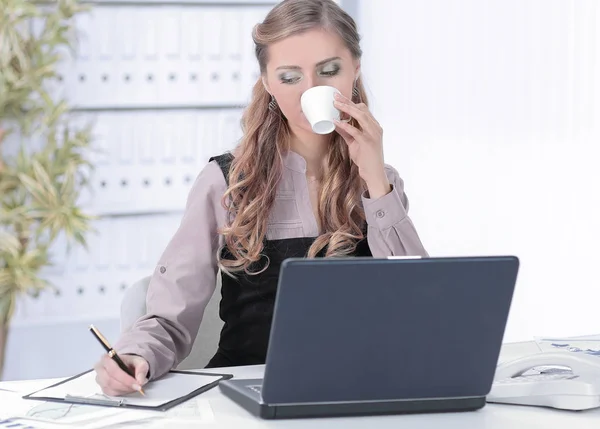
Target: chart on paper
15	410
66	413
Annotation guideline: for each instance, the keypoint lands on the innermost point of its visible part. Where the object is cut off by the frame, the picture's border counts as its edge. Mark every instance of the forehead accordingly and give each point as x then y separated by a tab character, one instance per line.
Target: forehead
307	49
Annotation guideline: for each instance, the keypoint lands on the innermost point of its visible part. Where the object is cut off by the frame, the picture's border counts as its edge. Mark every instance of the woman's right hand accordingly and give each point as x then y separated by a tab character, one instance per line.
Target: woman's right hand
116	382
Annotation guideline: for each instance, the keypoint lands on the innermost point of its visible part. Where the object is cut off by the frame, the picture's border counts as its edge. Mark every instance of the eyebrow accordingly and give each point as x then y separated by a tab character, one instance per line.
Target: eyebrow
320	63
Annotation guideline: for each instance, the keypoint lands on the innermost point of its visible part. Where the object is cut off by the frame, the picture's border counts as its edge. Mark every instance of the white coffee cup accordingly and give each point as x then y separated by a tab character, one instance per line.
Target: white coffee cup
317	106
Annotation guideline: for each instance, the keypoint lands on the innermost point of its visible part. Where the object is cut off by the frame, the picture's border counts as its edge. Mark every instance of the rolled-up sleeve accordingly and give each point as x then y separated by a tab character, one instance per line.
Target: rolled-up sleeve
183	281
390	231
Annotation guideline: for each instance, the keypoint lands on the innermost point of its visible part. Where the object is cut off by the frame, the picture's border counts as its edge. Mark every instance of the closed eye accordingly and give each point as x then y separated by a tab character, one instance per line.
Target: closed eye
330	70
289	77
290	80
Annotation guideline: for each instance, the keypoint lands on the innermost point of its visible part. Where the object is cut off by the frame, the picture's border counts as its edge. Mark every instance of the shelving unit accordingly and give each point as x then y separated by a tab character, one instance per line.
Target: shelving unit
164	84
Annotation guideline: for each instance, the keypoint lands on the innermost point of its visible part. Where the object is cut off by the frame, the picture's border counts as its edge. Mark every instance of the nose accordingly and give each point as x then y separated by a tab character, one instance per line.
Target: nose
310	81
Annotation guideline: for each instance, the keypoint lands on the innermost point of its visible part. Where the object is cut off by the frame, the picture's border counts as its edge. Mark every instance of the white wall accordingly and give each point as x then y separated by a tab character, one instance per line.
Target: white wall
491	113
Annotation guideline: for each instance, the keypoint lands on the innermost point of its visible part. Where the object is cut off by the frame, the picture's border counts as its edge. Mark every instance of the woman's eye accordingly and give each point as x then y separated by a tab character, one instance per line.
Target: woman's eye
330	71
289	78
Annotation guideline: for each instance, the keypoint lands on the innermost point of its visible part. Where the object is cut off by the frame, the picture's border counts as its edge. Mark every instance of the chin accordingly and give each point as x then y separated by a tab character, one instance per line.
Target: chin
303	124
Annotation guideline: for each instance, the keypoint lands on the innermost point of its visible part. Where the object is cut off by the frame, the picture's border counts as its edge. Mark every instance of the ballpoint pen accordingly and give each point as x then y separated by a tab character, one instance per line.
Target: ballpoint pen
112	353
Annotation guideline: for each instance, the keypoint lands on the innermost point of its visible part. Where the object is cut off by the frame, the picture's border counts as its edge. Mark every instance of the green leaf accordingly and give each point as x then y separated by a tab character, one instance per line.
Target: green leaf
39	189
9	244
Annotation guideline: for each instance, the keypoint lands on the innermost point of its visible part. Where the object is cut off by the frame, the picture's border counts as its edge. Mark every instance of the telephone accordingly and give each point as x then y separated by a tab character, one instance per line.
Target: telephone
564	380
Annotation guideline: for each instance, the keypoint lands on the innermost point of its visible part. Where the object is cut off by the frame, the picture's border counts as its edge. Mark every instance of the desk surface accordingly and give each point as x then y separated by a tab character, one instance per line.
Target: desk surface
493	416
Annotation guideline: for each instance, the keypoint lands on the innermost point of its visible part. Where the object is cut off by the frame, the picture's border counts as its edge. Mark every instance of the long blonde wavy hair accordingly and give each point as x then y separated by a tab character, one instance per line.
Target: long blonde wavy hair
257	167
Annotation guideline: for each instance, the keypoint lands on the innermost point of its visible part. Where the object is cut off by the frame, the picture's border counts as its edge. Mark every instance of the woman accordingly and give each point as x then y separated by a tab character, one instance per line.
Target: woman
284	192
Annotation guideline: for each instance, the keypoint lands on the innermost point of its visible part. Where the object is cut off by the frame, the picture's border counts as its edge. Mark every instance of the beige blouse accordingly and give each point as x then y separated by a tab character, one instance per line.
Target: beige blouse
184	278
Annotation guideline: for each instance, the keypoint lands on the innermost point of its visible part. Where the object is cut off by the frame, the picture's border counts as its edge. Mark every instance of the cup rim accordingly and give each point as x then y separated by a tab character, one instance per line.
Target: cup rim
319	86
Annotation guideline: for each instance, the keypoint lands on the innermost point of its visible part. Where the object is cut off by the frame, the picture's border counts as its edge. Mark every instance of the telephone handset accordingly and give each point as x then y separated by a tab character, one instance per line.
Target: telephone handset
576	387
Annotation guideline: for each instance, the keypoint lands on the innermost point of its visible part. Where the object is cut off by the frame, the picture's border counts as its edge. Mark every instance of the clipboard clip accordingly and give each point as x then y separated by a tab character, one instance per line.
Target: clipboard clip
108	402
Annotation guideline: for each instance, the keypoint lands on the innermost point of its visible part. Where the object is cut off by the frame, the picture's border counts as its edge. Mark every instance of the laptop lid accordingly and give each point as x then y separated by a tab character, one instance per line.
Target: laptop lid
365	329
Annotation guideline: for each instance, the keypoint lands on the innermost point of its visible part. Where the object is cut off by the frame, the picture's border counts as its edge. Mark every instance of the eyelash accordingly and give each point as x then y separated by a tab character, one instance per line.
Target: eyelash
331	73
327	74
289	81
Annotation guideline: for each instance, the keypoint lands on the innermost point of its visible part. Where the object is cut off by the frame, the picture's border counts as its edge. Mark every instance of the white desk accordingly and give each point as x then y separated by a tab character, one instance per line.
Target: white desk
493	416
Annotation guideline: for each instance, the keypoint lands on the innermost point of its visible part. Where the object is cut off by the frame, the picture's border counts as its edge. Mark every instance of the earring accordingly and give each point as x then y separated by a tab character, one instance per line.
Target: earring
355	93
273	104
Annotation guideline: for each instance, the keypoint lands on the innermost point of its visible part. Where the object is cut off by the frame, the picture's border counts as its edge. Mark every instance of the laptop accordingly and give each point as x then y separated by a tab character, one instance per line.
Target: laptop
369	336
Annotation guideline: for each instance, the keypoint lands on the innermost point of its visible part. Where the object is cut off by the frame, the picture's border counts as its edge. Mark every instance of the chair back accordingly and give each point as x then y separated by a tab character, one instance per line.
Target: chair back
133	306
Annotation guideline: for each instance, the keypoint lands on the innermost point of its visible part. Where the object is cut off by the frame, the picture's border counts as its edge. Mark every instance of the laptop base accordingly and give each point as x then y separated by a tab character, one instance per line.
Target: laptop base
244	394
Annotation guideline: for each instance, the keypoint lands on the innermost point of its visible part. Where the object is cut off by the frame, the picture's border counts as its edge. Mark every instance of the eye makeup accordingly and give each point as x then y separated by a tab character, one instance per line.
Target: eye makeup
290	77
328	70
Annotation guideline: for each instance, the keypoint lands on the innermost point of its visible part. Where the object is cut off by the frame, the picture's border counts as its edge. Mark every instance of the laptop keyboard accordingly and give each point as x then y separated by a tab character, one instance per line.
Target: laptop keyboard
256	387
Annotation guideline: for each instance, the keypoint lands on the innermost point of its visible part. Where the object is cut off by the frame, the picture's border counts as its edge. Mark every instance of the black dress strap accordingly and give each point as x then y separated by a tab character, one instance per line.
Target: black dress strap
224	162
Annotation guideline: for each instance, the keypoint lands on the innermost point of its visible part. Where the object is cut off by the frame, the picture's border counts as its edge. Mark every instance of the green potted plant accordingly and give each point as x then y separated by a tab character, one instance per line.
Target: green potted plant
41	181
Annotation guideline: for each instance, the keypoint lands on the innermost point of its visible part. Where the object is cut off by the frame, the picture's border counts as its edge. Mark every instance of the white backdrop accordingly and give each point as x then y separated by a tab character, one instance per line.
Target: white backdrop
491	113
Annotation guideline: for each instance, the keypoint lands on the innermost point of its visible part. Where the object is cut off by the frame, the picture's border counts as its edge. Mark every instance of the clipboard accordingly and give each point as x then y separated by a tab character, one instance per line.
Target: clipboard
130	401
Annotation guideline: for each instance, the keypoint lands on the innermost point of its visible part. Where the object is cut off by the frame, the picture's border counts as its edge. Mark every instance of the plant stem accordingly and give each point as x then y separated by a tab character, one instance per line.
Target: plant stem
2	133
3	342
21	231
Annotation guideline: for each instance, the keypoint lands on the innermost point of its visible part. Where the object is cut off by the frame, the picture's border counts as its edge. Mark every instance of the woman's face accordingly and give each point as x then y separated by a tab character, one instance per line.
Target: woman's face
301	62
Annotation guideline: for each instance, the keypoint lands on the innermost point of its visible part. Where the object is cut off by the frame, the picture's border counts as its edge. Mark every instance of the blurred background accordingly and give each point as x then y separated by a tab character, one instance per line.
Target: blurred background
490	110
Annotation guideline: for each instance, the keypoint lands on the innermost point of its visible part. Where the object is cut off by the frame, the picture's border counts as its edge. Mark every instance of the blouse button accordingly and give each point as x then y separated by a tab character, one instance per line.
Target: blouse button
380	214
162	270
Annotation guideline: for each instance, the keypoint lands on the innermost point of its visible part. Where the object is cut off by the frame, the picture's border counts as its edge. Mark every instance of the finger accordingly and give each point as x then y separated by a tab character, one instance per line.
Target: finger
345	117
348	129
360	106
109	386
342	98
100	374
347	137
364	118
120	376
141	372
353	111
110	392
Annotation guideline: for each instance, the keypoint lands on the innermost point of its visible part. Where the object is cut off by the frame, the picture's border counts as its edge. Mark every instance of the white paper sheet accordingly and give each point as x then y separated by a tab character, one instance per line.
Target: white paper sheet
168	388
40	414
48	415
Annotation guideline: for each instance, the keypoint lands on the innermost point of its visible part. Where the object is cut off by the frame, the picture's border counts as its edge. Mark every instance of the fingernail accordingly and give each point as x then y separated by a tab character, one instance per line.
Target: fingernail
136	387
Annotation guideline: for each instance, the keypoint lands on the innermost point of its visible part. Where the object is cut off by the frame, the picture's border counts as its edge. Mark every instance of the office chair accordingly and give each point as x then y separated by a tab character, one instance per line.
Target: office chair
133	306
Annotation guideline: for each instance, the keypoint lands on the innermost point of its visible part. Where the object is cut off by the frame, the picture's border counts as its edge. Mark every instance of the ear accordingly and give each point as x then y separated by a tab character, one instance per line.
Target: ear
266	84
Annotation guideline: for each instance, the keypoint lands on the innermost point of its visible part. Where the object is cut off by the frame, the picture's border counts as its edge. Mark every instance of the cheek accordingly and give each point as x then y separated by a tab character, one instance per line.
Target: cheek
289	100
344	84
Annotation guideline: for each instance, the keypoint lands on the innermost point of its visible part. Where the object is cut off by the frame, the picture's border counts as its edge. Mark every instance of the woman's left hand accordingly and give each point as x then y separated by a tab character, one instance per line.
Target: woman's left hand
365	145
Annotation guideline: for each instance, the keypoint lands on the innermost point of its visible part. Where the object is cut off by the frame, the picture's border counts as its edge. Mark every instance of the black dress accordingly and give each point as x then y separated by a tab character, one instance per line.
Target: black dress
247	301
